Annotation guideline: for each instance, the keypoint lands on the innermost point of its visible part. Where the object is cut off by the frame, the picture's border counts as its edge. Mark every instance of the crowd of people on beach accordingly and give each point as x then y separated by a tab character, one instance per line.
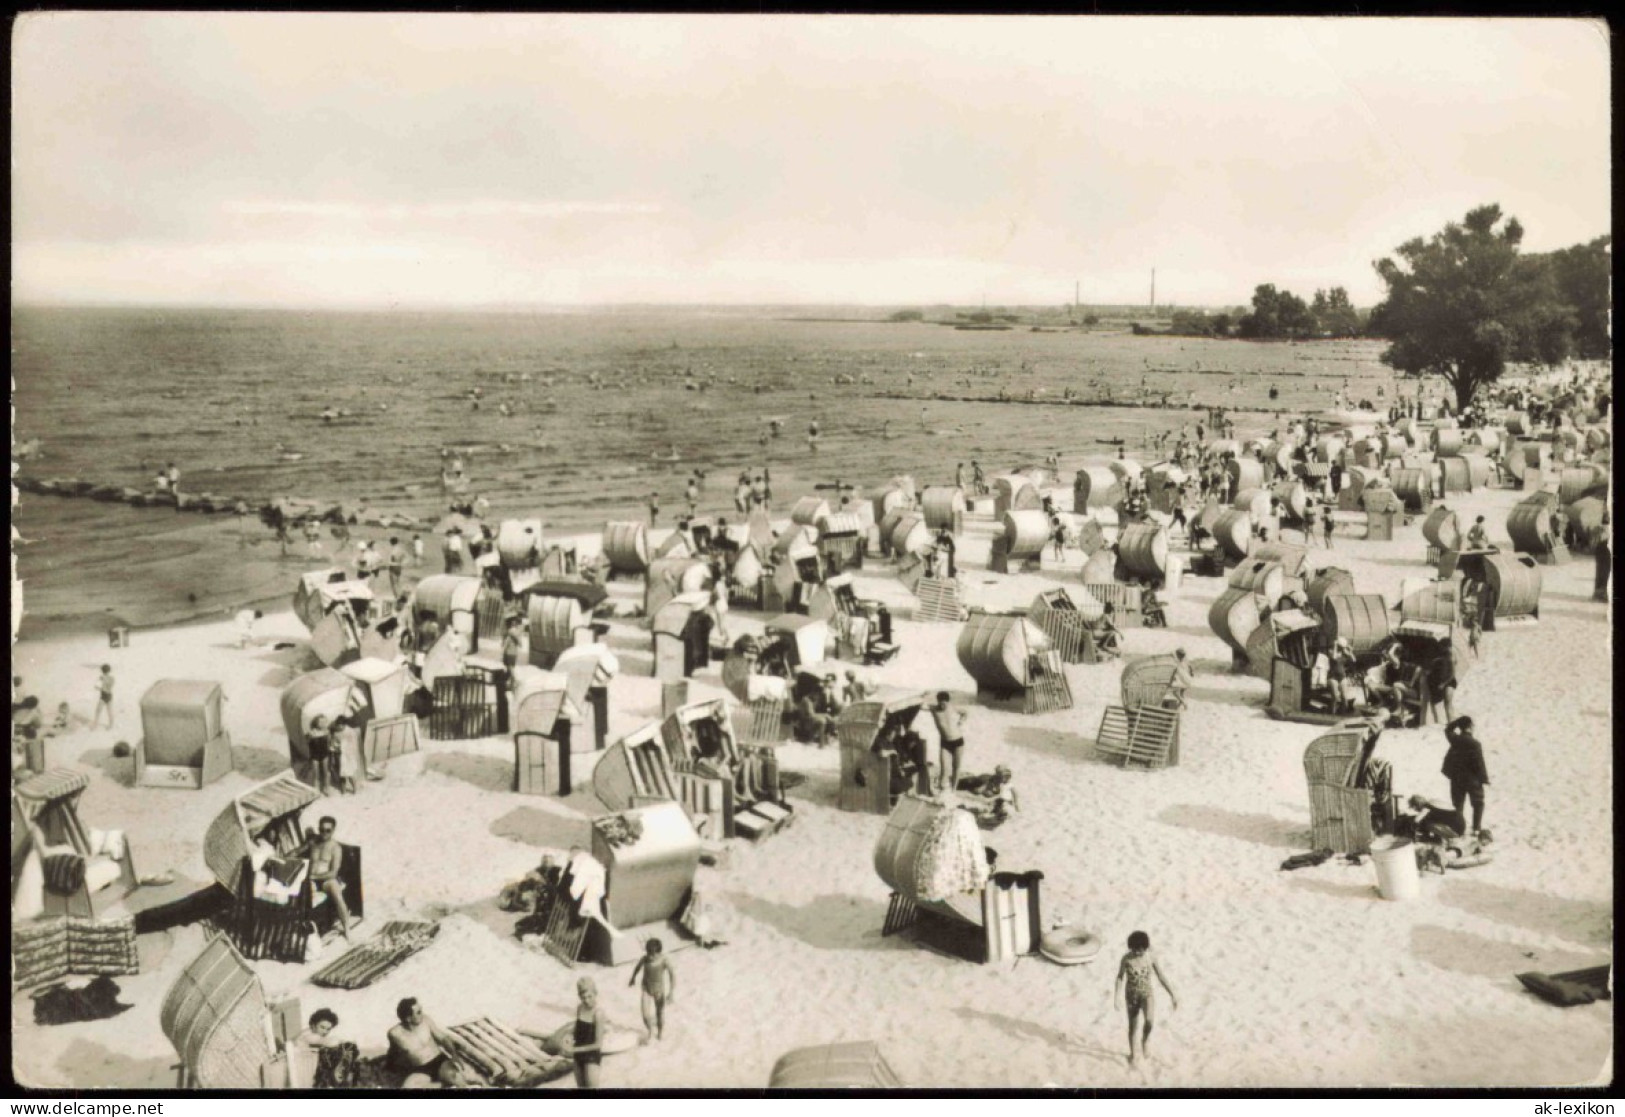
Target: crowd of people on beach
1201	457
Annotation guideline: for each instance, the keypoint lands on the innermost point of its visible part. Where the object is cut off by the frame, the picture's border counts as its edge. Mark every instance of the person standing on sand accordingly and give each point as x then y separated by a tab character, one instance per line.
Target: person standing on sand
104	697
246	619
587	1040
397	564
174	476
365	567
659	986
950	720
346	755
1464	768
1135	990
511	647
319	747
948	549
417	549
452	550
1326	525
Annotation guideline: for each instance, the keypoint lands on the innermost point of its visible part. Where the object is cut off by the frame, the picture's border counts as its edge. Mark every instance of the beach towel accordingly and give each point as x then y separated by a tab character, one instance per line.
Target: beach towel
61	1004
589	885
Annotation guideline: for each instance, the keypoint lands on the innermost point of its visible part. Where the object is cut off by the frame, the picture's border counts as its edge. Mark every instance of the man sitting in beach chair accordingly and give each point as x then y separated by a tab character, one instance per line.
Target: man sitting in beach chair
816	713
1108	640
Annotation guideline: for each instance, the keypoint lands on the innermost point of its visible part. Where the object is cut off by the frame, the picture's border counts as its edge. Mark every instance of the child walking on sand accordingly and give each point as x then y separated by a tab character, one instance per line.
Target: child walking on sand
659	986
1139	965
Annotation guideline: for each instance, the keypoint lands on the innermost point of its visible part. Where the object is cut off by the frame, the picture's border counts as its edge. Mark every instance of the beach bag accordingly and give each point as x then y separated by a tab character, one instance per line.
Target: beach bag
313	943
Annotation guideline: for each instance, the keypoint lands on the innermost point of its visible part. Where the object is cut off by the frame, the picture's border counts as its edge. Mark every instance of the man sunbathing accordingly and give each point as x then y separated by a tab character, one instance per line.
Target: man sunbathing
326	857
995	795
416	1047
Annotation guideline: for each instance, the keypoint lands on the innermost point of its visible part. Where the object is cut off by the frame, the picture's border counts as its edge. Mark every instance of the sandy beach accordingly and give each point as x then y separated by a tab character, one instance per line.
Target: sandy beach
1285	979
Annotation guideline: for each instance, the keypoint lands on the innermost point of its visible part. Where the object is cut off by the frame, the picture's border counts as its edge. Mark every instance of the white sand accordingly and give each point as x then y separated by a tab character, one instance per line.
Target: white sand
1285	979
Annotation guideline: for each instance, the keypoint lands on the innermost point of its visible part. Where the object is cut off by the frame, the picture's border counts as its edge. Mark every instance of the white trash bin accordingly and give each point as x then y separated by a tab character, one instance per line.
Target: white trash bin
1395	859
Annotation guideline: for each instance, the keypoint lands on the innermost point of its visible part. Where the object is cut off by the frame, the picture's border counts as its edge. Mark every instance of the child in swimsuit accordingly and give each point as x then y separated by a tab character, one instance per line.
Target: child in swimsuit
659	986
1139	965
587	1046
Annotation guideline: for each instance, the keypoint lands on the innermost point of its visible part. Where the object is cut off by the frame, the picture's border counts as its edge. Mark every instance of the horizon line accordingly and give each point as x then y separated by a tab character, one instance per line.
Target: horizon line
102	304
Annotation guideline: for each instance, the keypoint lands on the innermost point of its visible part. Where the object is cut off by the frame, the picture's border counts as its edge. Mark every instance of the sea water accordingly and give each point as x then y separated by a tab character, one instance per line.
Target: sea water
604	407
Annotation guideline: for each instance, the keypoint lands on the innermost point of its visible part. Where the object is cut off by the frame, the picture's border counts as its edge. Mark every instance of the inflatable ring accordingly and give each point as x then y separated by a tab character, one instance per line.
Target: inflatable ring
614	1042
1482	857
1069	946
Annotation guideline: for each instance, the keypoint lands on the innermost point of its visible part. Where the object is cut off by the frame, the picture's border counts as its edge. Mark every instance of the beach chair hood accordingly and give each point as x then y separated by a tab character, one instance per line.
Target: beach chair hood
233	832
215	1015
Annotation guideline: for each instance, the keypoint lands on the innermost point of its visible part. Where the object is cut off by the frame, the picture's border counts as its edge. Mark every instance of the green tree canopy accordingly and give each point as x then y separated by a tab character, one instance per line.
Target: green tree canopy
1583	274
1334	314
1463	303
1276	314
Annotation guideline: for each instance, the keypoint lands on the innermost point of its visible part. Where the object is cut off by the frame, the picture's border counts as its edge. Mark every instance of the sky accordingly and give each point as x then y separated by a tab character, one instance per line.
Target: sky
251	159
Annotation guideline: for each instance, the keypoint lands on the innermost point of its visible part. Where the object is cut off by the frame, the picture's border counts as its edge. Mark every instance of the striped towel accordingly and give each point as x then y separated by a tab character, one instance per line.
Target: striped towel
64	873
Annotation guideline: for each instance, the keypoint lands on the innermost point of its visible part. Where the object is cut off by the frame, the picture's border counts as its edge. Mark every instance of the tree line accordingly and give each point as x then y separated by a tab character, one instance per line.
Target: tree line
1461	304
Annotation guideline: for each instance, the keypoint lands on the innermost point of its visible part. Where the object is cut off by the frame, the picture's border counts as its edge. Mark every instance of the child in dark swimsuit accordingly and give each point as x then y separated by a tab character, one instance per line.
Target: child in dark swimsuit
1135	972
587	1047
659	986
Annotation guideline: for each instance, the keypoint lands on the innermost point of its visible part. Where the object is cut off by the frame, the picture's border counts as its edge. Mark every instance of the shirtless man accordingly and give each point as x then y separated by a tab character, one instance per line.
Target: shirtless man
325	856
416	1046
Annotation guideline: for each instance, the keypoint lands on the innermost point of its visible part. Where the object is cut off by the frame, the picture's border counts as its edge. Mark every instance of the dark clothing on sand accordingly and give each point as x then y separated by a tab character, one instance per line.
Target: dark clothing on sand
1464	760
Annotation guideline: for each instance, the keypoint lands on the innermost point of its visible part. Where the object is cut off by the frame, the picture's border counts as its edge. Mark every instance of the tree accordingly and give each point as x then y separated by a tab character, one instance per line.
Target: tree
906	316
1334	315
1190	323
1276	314
1582	274
1463	303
